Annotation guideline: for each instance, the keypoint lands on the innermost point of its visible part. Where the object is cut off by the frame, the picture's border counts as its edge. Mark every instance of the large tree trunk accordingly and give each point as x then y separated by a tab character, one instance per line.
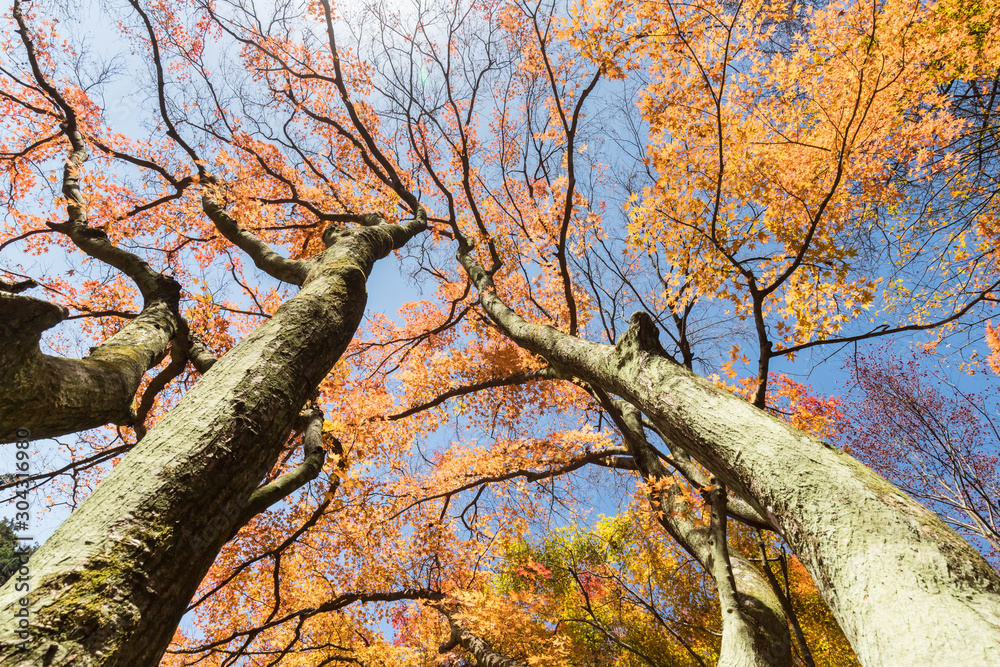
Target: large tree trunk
905	588
110	586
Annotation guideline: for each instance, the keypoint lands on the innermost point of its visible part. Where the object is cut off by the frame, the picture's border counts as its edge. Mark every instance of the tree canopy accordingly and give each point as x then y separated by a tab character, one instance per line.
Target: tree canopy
624	232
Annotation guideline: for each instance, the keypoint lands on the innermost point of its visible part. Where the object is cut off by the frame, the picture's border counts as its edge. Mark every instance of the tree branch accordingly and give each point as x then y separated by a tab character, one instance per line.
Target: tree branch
516	379
484	654
51	396
308	470
266	259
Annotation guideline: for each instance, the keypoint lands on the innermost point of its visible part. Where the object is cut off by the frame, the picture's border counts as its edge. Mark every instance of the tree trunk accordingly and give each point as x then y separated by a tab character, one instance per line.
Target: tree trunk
905	588
111	584
754	626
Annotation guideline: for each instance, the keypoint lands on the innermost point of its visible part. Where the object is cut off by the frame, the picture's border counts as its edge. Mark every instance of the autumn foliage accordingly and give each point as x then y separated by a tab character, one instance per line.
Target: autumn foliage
773	183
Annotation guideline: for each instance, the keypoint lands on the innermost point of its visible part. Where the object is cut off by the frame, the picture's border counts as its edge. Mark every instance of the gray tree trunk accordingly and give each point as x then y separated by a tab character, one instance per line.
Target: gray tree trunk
52	396
905	588
110	586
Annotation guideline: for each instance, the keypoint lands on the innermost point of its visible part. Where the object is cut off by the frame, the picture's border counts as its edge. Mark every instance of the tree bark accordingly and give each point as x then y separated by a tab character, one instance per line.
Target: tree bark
291	481
905	588
754	626
52	396
111	584
479	648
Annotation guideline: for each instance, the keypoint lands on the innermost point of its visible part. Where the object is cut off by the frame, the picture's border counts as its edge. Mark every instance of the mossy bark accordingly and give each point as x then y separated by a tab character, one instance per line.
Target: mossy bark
52	396
110	586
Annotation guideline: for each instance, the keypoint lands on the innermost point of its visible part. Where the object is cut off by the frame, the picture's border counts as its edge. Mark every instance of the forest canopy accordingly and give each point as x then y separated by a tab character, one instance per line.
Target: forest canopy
624	235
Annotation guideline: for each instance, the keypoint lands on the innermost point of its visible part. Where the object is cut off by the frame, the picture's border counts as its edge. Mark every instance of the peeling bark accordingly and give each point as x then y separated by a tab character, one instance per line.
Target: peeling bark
113	581
905	588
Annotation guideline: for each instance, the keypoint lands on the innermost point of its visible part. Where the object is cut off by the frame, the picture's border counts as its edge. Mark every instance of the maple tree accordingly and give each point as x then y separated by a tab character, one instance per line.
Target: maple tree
757	180
620	595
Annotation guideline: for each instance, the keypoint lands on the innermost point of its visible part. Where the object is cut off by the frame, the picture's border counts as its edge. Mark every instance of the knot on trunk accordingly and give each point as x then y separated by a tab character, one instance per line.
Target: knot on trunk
641	336
334	233
167	290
